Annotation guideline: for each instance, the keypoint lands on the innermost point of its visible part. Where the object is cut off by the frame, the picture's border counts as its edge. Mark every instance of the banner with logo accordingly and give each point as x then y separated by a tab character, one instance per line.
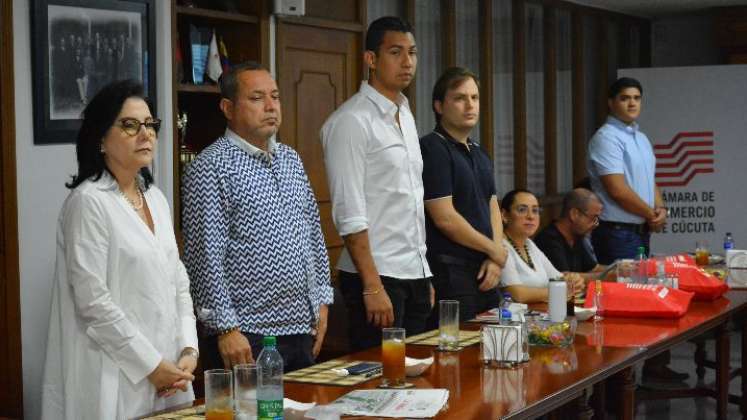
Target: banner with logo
696	117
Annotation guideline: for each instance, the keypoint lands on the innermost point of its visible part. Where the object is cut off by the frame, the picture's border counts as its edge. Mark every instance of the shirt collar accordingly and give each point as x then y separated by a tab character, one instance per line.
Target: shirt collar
440	130
250	148
628	128
385	105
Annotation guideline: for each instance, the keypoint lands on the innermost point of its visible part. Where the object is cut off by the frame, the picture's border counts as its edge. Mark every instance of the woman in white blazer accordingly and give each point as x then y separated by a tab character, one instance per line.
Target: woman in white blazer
122	339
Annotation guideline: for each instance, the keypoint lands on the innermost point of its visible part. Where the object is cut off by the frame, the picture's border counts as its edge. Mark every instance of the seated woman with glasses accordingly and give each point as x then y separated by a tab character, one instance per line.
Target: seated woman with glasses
528	271
122	339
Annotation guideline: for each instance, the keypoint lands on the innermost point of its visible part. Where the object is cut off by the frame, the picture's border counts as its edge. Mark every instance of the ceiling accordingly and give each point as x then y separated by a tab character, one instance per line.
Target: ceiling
653	8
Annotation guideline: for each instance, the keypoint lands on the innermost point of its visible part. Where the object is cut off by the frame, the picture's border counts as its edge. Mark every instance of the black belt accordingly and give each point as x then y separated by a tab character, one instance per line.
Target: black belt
641	229
448	259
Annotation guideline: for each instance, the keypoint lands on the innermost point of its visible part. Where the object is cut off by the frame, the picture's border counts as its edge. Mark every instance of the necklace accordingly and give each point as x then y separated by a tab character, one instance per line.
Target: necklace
528	259
136	206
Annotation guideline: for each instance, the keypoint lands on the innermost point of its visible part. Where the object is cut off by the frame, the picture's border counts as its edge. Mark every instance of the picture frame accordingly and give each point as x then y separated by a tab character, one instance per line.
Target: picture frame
78	47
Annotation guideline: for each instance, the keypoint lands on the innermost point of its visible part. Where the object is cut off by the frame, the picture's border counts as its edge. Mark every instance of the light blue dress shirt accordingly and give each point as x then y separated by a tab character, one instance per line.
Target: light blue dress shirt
618	148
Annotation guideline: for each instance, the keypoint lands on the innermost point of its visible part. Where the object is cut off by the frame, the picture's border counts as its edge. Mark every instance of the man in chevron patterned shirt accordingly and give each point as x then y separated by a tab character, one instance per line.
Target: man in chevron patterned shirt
253	243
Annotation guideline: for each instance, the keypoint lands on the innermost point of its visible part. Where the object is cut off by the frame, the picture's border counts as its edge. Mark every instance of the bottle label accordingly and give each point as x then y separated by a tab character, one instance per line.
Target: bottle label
270	410
728	245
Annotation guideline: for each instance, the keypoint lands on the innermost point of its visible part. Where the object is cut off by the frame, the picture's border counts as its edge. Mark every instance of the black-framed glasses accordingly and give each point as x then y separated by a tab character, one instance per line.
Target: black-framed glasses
594	219
131	126
524	210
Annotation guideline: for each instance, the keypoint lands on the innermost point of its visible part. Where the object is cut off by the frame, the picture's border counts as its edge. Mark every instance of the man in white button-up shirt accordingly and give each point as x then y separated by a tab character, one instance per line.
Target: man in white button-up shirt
374	169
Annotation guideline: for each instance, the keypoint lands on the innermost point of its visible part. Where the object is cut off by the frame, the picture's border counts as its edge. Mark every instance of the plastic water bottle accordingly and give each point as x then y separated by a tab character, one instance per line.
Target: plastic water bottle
728	242
269	381
505	305
505	317
642	265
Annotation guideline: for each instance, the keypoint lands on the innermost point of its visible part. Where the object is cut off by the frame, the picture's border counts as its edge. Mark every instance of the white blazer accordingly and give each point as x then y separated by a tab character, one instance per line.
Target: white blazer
120	303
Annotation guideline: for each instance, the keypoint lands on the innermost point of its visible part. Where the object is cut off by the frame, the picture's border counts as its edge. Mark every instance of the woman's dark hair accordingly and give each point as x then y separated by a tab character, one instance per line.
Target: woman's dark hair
99	115
508	200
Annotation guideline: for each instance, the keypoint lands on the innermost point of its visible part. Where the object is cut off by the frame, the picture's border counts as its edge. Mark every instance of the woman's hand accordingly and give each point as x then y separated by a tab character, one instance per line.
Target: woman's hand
167	374
187	363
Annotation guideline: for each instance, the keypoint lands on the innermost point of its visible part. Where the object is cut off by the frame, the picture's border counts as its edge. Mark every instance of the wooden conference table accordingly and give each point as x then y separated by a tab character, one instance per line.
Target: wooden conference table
555	377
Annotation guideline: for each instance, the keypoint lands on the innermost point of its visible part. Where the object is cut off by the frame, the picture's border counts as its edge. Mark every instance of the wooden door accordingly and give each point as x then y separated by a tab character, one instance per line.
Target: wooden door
11	386
318	69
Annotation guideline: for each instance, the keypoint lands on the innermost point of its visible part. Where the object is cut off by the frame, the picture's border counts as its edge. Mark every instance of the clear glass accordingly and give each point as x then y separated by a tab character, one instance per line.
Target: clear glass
245	391
598	300
448	325
218	394
393	356
702	252
626	271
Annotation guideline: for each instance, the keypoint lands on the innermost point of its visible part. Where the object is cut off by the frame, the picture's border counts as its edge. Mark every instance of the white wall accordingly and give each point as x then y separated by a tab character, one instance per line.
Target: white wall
42	171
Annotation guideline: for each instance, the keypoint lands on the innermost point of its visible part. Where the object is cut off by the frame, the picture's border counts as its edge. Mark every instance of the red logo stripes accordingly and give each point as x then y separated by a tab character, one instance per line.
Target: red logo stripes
688	154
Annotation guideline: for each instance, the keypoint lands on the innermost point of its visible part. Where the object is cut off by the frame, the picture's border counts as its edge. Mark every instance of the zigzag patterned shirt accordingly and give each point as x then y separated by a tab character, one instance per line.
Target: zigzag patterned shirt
253	244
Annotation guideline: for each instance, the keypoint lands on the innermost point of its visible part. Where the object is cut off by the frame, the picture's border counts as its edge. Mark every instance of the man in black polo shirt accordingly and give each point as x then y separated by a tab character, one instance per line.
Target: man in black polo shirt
463	221
565	241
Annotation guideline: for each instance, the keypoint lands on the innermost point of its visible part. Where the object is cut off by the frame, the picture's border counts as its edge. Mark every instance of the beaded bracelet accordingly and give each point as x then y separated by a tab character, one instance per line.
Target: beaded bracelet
230	330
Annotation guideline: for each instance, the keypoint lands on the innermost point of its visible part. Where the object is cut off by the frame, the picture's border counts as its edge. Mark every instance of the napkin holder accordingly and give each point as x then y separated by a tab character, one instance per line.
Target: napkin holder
505	345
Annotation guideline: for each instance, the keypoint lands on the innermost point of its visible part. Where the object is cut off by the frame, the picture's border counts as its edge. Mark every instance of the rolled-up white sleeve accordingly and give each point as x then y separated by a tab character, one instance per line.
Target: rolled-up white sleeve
86	248
344	143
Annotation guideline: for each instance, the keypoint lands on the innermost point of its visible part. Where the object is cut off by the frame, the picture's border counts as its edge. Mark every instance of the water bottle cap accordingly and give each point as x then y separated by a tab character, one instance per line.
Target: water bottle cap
506	295
728	233
269	341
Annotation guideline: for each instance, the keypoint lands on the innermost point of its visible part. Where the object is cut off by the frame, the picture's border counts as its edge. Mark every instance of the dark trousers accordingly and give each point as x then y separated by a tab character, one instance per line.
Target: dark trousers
612	243
457	280
410	301
295	350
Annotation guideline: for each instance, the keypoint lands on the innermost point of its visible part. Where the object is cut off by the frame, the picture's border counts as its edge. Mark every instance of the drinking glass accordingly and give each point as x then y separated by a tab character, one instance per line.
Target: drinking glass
245	391
626	271
702	253
598	300
218	394
448	325
393	356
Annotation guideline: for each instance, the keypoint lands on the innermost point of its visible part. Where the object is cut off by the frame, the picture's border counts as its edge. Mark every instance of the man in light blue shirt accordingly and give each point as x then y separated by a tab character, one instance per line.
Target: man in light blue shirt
622	166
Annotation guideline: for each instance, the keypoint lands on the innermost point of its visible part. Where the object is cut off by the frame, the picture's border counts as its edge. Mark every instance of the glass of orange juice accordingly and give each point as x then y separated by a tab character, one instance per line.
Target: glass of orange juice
218	394
393	356
702	253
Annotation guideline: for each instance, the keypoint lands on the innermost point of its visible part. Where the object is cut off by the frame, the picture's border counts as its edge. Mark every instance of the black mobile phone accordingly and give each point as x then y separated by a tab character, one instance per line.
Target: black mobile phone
363	368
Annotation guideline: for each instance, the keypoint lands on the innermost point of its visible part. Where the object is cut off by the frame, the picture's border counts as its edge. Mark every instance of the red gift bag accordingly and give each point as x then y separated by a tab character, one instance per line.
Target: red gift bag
692	278
640	300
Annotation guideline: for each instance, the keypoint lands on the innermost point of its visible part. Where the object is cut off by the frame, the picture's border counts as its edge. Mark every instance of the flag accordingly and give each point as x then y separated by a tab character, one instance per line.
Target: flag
214	69
223	55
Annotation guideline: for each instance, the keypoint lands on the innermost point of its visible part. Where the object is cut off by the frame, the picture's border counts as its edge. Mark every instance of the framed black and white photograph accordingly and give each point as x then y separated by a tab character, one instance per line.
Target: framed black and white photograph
79	46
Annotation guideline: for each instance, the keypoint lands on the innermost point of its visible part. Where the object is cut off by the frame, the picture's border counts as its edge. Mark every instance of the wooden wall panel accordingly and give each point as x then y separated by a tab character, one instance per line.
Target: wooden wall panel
487	128
577	98
11	385
549	31
520	101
